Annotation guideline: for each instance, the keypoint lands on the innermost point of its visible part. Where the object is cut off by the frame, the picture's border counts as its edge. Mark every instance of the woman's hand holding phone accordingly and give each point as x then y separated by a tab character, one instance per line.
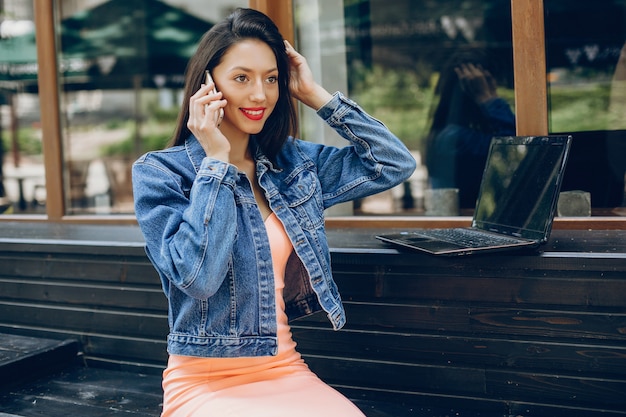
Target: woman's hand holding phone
205	116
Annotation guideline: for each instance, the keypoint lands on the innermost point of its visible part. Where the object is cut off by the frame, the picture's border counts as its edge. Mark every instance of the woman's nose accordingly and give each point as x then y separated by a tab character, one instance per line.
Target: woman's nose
258	91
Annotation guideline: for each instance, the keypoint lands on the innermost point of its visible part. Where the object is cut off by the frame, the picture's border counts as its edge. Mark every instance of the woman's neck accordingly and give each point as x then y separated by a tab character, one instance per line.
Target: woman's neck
239	141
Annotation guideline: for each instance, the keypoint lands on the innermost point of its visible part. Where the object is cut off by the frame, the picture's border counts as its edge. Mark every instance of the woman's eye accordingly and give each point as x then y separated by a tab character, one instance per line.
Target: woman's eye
273	79
240	78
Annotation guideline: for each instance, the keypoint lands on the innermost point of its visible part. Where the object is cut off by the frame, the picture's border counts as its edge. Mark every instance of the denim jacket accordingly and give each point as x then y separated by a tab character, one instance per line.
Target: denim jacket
206	237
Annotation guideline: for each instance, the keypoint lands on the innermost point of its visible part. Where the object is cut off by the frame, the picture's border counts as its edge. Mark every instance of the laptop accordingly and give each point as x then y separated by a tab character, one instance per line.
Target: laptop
516	203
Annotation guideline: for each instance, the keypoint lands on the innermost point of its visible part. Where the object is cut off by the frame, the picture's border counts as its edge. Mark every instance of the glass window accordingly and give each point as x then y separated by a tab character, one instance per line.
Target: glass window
586	60
439	74
122	69
22	179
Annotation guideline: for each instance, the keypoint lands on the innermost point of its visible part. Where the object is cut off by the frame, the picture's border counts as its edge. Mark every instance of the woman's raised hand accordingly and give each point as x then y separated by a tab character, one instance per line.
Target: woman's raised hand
204	111
302	84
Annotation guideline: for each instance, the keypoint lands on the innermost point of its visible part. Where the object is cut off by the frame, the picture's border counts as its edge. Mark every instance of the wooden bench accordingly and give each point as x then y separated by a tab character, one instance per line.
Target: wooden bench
500	335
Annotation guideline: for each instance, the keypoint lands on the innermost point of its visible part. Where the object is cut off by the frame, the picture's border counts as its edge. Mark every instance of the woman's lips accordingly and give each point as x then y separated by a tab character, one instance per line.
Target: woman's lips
255	113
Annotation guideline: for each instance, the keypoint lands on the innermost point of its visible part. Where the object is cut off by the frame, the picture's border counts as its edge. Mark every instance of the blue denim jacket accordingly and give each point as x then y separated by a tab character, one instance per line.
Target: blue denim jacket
206	237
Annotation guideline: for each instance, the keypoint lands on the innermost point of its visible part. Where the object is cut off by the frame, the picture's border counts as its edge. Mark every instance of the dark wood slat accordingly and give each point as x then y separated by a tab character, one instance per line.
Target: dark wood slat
396	376
112	295
140	354
147	355
87	320
386	281
474	383
531	409
581	391
86	392
402	409
573	324
466	350
22	358
560	324
92	268
438	405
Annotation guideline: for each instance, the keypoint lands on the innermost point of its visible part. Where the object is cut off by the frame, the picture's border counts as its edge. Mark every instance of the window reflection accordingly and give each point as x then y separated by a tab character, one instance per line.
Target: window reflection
122	69
468	113
21	170
587	91
390	55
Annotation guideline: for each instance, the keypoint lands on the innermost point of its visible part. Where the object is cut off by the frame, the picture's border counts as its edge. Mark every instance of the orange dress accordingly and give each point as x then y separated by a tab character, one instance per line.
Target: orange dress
268	386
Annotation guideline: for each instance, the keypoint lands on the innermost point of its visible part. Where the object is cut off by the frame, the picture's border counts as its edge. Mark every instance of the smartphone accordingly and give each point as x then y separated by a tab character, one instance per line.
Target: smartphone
209	80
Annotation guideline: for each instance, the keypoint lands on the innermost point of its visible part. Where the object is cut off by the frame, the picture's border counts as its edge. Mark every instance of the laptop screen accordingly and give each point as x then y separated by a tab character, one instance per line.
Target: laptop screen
520	185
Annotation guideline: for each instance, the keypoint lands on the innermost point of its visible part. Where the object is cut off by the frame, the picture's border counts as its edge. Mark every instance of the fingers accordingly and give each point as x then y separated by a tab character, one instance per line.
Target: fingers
205	106
470	71
291	51
205	98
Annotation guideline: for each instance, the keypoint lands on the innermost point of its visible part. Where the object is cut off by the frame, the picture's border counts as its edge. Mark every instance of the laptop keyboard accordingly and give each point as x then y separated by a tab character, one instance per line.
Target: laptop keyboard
470	238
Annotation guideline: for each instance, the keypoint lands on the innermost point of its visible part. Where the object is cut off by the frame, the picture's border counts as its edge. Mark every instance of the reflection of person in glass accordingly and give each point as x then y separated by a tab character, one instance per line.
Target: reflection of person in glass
233	218
616	135
468	114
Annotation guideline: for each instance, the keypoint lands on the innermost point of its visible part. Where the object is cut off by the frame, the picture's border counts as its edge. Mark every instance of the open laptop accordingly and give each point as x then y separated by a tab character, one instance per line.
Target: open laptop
516	203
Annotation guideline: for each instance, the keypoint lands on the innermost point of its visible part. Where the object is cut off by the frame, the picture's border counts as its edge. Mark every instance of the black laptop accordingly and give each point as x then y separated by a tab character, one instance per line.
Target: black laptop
516	203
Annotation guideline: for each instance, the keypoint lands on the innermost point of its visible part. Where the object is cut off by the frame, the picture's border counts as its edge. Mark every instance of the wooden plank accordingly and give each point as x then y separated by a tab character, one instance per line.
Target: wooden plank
26	357
130	270
565	390
596	289
557	265
73	320
142	354
436	404
606	327
506	385
282	14
87	392
397	376
529	69
522	408
445	349
455	318
146	355
72	238
114	296
47	77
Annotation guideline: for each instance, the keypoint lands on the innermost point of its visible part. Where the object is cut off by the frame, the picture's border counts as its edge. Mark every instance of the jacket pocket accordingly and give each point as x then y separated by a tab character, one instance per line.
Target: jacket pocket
304	198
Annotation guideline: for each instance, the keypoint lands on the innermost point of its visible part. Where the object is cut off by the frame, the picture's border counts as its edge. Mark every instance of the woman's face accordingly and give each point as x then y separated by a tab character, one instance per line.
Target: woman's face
247	76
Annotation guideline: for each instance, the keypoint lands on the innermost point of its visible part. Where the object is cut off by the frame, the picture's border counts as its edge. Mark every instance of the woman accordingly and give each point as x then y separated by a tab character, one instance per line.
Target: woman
233	217
468	114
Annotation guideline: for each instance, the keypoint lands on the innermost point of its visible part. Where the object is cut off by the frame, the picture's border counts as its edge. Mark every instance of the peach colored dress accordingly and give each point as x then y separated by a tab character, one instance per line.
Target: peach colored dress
273	386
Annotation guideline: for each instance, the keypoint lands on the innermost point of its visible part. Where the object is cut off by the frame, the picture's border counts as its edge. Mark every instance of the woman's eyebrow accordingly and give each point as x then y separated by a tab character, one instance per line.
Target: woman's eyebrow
246	69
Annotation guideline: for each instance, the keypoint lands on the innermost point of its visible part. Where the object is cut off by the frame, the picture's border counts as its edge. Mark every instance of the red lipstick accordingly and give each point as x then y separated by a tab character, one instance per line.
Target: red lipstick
253	113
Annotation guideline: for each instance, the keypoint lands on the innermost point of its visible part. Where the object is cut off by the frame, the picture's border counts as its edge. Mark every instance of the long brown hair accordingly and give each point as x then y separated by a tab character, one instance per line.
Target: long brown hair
240	25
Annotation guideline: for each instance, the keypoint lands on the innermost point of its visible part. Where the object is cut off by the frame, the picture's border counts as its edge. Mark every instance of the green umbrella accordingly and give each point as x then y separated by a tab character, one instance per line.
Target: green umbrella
123	39
18	60
111	46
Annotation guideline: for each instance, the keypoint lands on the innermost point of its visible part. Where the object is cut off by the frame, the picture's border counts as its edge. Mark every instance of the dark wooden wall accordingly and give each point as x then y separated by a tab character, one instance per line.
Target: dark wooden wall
94	284
520	334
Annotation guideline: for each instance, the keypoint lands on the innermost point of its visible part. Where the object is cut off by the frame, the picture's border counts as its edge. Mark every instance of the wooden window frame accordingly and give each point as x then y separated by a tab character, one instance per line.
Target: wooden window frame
530	99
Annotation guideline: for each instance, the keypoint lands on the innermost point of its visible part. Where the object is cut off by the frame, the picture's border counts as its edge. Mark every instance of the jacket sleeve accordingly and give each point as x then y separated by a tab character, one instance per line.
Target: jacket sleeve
374	160
189	235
